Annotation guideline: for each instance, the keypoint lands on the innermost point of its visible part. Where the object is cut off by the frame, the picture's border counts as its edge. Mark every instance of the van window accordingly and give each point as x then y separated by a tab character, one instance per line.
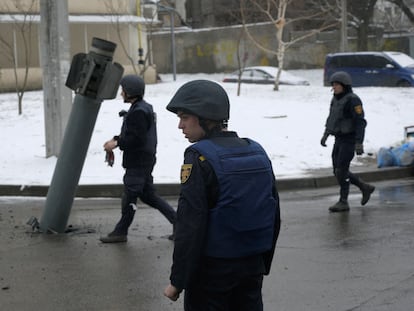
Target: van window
349	61
378	62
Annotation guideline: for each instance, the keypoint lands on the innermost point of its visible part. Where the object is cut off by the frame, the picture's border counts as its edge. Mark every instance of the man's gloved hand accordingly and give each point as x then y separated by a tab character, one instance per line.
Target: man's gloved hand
324	138
359	149
109	158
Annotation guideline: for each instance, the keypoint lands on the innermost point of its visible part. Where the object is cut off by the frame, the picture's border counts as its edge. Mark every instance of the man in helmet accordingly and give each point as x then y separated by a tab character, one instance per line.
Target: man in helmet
347	123
228	210
138	141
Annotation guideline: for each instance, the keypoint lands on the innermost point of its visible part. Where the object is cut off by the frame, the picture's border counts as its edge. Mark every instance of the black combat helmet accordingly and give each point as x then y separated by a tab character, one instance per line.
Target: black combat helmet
203	98
133	86
341	77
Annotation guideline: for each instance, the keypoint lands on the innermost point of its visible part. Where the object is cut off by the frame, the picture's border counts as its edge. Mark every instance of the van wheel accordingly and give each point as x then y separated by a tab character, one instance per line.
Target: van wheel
403	83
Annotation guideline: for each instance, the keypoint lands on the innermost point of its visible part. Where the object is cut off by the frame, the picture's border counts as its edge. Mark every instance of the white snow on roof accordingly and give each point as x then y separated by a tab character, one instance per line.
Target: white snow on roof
103	19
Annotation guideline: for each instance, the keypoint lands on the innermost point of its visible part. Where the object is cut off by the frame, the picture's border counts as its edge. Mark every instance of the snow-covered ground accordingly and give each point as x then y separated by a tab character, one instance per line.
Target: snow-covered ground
288	123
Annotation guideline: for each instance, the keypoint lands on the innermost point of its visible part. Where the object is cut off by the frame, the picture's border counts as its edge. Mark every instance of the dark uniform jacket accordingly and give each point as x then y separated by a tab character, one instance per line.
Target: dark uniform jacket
346	117
138	138
199	194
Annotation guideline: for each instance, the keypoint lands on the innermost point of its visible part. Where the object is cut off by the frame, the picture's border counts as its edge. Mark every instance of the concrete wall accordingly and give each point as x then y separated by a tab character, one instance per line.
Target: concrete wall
215	50
81	39
34	79
7	79
206	50
81	35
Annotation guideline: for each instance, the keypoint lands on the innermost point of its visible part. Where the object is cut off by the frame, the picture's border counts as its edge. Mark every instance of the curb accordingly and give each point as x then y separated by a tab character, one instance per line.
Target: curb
283	184
324	181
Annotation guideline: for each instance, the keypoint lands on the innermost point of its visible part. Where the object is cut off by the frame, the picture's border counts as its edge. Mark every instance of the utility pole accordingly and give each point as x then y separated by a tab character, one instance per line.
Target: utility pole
344	26
173	56
171	11
55	60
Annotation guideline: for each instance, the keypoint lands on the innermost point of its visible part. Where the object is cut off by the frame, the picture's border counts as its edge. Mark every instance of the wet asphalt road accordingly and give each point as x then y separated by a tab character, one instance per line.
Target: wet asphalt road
360	261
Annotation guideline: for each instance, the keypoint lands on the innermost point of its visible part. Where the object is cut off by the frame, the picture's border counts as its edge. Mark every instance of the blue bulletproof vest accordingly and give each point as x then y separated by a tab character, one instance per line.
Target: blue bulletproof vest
242	222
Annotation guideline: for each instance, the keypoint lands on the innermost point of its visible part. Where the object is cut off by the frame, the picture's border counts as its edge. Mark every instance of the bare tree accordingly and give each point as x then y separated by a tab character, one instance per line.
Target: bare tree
22	26
228	13
360	15
275	12
405	7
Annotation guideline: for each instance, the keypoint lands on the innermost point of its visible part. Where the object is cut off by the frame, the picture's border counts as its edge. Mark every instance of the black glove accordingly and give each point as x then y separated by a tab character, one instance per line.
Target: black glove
324	138
110	158
359	149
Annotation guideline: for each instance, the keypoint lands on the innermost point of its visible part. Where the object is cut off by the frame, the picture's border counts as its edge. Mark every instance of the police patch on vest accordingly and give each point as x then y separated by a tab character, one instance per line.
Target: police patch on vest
358	109
185	172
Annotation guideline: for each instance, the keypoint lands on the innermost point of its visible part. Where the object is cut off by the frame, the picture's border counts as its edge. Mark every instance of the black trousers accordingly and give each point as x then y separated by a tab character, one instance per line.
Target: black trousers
342	154
138	183
227	285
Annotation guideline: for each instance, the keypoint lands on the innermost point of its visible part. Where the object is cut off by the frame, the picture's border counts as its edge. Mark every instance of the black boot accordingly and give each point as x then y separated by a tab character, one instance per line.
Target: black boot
114	237
120	233
366	190
340	206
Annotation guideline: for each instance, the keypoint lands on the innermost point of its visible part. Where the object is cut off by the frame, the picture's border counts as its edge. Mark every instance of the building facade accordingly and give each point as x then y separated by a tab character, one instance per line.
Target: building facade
121	22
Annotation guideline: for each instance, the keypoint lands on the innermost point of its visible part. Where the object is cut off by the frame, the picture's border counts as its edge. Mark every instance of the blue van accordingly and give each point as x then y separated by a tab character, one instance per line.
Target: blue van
372	68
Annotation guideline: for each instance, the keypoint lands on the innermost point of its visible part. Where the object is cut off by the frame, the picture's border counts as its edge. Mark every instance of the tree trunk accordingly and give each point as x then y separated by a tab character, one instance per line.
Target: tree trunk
363	37
405	8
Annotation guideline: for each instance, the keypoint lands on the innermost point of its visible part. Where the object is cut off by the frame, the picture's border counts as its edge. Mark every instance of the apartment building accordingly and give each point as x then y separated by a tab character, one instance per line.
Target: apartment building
120	21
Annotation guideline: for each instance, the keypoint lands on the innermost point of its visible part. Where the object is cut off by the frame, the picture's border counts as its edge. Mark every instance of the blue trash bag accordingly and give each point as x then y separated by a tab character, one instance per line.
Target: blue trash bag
385	157
403	155
411	145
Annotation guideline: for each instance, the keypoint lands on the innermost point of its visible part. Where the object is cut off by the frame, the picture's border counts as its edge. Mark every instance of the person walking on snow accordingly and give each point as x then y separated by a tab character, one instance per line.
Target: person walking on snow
346	121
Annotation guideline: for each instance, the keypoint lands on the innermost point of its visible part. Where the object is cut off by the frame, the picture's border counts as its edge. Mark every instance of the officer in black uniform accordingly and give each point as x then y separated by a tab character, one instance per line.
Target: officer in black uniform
347	123
138	141
228	216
